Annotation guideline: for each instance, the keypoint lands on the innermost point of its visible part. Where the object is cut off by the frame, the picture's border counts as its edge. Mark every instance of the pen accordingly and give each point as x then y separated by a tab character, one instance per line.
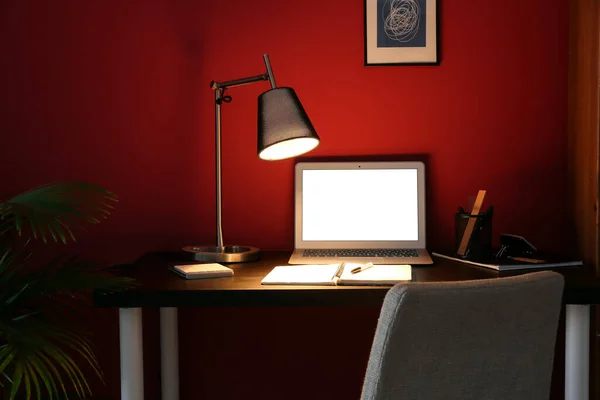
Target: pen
361	268
339	271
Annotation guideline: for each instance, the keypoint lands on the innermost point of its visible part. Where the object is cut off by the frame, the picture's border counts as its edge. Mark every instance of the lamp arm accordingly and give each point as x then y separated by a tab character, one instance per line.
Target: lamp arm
267	76
239	82
269	71
219	88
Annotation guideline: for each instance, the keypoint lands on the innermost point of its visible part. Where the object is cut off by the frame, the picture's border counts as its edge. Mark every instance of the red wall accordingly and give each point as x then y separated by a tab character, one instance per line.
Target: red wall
117	93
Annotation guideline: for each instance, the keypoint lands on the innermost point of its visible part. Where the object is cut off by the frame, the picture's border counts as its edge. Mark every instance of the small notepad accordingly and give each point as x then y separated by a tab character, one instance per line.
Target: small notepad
202	271
325	275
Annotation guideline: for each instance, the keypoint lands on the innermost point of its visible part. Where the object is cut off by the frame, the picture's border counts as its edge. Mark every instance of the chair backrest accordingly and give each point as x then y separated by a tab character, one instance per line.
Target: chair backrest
483	339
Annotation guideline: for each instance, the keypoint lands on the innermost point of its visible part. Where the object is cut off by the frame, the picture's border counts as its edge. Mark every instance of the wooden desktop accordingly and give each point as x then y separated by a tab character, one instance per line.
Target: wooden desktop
158	287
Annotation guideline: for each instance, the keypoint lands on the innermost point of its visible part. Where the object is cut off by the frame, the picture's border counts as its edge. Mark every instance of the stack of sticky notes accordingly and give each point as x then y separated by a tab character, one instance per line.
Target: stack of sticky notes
202	271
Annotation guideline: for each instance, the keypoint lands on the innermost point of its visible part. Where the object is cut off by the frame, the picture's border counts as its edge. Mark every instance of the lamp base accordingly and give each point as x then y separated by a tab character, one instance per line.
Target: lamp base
225	254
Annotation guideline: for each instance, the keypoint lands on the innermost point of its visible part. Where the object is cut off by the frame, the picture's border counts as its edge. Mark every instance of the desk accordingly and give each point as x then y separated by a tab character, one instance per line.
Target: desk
163	289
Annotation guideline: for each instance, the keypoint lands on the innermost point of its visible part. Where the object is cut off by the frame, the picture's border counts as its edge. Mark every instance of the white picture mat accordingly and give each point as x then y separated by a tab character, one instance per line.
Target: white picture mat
400	55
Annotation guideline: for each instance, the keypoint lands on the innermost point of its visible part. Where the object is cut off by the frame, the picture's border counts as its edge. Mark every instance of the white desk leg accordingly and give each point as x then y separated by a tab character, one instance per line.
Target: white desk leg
169	353
577	352
132	357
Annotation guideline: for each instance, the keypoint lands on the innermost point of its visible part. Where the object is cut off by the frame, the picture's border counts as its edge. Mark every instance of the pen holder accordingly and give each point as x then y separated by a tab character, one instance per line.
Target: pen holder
479	246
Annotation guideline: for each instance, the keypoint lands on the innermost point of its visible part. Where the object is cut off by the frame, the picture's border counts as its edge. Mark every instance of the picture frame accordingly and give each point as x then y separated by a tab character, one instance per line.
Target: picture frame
401	32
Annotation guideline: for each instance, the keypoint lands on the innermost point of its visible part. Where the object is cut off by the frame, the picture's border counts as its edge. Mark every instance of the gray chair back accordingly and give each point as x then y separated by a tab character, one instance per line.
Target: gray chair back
483	339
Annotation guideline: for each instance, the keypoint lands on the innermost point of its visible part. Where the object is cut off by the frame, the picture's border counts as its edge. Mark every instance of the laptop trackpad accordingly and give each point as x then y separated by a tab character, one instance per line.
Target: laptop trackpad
374	260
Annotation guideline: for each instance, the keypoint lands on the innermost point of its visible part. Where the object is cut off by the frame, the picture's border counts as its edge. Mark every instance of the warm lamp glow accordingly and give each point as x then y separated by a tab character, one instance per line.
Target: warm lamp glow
289	148
284	129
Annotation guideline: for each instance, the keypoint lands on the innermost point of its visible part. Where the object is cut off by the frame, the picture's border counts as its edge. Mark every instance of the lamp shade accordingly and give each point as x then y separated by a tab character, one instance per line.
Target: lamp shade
284	129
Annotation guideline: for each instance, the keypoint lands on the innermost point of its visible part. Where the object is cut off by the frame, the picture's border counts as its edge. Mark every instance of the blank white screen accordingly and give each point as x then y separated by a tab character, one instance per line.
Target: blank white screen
360	205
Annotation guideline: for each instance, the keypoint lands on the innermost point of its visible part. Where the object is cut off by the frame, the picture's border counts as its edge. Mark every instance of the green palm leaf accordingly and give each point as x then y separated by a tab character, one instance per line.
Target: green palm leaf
39	343
17	377
37	349
39	369
40	349
53	209
32	375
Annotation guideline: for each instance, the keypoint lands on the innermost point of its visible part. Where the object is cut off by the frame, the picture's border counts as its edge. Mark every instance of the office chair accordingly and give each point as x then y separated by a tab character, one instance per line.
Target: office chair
483	339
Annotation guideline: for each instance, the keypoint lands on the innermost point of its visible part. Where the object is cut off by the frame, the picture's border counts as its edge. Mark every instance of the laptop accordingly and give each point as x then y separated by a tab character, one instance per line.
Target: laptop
360	212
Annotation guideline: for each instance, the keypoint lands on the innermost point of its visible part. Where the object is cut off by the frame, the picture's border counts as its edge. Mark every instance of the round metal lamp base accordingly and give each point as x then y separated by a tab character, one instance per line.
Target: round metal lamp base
225	254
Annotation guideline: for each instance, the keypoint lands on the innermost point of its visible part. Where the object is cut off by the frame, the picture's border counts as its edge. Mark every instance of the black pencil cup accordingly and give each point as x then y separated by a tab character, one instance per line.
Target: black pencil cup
479	245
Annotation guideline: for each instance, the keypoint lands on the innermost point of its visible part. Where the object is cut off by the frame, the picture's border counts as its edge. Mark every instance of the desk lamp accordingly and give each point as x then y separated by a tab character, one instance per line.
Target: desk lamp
284	131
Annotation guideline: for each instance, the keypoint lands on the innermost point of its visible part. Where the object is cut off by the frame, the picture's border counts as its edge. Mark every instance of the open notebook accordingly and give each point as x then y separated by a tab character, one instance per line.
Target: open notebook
328	275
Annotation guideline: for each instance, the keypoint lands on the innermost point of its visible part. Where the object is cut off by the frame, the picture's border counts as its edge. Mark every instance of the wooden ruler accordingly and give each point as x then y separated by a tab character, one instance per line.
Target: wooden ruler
464	243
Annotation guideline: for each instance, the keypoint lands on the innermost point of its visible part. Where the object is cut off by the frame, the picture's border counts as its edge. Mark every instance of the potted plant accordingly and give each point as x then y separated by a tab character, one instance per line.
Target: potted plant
41	353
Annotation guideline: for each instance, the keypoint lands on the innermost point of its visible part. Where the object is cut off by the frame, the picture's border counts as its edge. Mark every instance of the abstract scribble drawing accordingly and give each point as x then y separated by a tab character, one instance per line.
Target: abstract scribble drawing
402	20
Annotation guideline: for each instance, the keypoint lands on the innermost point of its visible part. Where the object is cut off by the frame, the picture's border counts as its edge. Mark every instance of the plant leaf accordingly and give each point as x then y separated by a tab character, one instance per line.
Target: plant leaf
49	353
73	371
16	295
7	377
6	361
16	381
66	204
82	347
53	371
46	377
37	346
32	374
27	383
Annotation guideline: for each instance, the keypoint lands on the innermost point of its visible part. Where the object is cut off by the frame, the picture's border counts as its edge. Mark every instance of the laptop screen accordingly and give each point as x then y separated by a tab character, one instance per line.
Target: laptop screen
360	205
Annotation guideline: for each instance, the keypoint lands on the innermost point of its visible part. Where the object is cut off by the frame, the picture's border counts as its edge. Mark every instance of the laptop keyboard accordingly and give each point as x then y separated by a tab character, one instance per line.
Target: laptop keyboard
360	253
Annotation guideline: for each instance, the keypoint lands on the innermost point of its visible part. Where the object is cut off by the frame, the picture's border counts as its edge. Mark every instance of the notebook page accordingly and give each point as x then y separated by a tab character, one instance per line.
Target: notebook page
377	275
301	275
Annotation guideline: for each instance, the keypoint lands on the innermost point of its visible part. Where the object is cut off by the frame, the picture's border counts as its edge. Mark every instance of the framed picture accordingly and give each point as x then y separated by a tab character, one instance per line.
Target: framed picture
401	32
